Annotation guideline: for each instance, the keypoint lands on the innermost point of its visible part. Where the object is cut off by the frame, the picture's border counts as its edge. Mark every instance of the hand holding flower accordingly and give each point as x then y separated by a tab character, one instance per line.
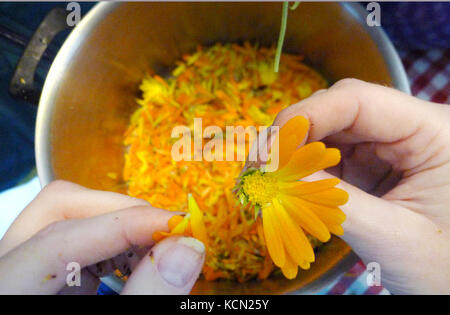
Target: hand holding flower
396	168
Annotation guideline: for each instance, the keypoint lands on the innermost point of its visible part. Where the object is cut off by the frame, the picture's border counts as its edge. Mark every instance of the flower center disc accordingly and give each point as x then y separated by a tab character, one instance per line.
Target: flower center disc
260	187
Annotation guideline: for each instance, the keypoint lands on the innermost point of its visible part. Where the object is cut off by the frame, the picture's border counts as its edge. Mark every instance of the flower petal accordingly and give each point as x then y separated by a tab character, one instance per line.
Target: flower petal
309	159
300	188
181	227
158	236
303	160
328	215
267	269
330	197
332	158
295	241
336	229
305	218
305	265
290	137
174	221
197	225
290	268
177	226
272	236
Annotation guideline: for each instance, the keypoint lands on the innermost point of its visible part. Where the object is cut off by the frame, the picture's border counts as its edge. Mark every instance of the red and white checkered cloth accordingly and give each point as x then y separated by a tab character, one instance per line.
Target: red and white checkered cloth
429	74
429	78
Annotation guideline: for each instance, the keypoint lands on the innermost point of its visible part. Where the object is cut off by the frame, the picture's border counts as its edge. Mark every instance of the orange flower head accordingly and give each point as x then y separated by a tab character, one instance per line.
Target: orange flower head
291	208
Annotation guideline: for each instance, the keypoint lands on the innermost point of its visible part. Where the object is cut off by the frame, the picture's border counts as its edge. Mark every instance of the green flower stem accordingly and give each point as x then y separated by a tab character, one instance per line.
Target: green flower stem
284	16
295	5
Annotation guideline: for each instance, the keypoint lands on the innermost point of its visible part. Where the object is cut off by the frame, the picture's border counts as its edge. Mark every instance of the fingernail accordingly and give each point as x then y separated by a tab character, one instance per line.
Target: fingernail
180	263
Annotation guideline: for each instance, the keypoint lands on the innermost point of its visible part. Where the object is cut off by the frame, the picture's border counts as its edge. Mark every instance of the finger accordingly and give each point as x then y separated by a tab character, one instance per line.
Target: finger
354	111
364	109
172	267
39	265
62	200
319	92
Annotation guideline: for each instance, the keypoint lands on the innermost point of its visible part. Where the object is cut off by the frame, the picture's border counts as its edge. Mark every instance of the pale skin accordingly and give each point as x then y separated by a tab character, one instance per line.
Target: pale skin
395	167
69	223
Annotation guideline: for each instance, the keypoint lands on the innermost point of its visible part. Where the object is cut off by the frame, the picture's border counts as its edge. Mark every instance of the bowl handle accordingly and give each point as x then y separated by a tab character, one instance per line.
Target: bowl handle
22	83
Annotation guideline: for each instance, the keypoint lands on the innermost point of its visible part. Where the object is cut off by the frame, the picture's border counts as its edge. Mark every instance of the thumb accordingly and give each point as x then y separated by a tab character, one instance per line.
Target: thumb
171	267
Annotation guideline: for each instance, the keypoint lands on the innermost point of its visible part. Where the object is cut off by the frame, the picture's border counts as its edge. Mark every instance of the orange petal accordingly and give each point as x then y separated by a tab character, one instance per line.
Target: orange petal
330	197
336	229
176	226
290	268
303	160
188	230
305	218
272	236
299	188
197	225
305	265
181	227
259	229
309	159
174	221
158	236
332	158
332	215
267	268
295	241
291	135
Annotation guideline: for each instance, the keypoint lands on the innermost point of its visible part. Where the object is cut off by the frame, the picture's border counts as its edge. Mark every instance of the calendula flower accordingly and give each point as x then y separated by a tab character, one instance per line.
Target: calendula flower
190	224
289	206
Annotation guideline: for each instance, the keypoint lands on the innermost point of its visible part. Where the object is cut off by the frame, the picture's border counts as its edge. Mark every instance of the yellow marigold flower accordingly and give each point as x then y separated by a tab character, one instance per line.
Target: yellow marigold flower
189	225
290	207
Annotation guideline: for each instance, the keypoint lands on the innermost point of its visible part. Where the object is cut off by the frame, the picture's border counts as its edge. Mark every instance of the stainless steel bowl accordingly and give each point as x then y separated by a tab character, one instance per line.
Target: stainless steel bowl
90	90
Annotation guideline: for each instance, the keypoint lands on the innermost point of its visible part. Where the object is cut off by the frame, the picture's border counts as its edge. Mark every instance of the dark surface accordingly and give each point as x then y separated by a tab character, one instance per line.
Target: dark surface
417	25
18	21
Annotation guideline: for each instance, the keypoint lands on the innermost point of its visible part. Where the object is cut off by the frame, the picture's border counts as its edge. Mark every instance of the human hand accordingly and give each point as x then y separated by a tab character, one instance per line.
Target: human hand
396	168
69	223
